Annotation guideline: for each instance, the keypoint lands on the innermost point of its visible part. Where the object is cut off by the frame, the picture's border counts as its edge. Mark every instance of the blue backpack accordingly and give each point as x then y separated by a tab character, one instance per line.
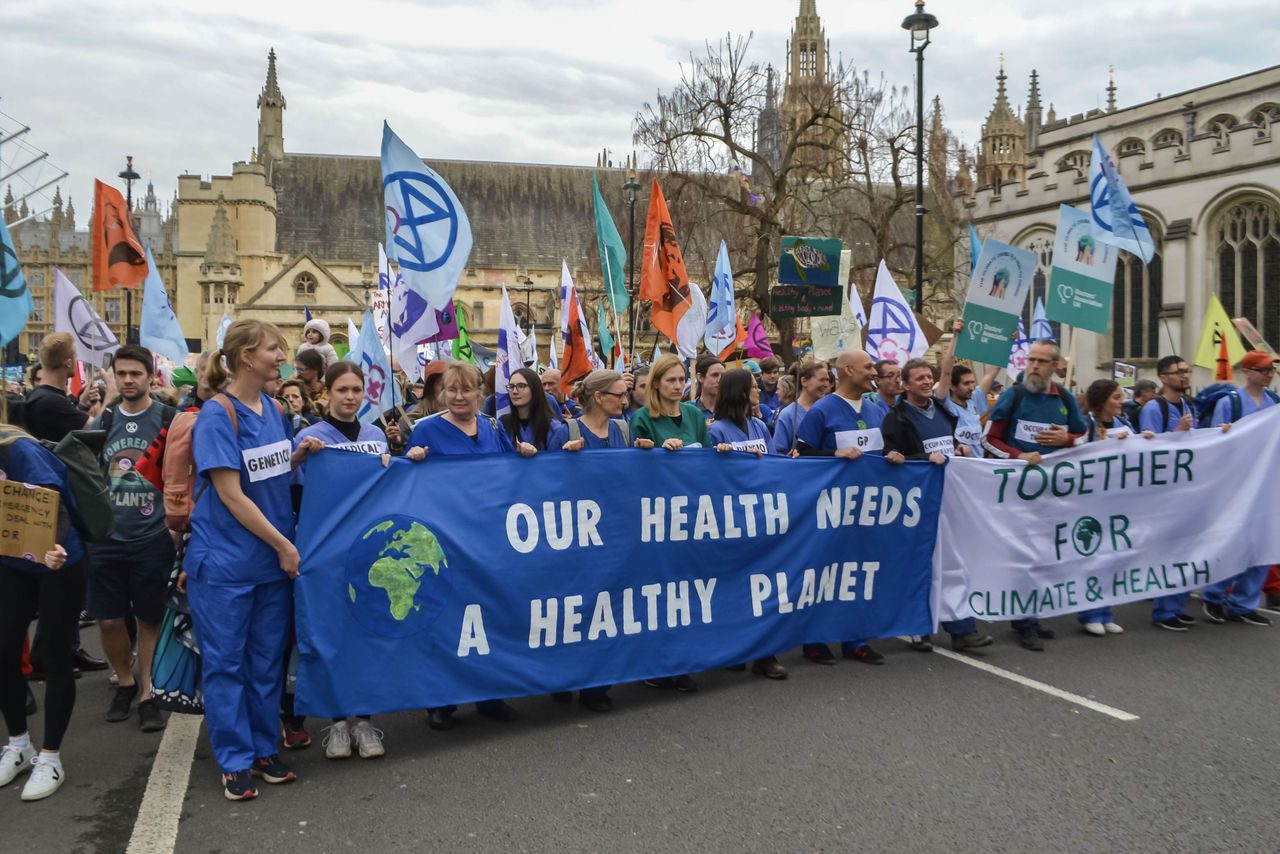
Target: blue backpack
1207	401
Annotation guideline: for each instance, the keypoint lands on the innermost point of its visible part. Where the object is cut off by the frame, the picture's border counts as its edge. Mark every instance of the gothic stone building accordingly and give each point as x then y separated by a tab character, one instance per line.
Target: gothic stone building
1204	168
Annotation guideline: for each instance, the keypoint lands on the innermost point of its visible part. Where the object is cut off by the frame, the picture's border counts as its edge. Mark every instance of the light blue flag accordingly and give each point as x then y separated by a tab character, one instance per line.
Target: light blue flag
222	328
428	233
722	319
373	360
1116	218
975	249
160	331
1041	330
15	299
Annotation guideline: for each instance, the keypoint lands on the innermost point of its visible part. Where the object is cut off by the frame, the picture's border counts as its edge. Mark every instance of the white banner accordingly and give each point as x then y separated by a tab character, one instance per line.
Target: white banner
95	342
1107	523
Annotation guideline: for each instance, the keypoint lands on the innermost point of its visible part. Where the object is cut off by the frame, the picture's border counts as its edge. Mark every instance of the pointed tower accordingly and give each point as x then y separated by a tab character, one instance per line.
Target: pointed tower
1034	120
69	218
1111	89
809	87
10	212
770	139
1001	152
56	215
219	271
271	118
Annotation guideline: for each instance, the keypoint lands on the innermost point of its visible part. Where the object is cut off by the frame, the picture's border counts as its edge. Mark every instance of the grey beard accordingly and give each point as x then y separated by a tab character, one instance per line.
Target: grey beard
1035	384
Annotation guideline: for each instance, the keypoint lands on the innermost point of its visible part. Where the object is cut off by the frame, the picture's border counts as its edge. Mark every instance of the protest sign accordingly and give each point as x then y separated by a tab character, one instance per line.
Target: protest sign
598	567
28	528
800	301
1083	275
997	292
834	333
810	261
1108	522
1251	334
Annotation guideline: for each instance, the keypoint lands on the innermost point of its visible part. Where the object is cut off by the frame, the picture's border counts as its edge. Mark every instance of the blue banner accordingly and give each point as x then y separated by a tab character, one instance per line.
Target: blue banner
572	570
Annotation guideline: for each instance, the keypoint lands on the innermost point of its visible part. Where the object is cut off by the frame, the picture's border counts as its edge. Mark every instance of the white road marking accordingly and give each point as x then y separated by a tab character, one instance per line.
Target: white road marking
1085	702
156	829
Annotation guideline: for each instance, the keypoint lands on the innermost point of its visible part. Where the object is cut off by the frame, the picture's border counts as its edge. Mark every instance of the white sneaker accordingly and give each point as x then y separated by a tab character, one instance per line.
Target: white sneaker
46	778
1114	629
1095	629
14	761
337	741
368	739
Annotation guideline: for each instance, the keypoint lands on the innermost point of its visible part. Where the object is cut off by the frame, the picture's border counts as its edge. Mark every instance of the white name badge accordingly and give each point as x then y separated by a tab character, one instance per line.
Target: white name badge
969	435
863	440
374	447
940	445
751	445
1027	431
694	445
1118	432
268	461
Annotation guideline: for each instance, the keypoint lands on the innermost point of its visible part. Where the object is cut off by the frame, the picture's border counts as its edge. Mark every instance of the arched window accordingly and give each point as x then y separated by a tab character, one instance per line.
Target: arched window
1220	126
1264	117
1131	147
1247	249
1076	161
1136	303
1167	138
305	285
1040	245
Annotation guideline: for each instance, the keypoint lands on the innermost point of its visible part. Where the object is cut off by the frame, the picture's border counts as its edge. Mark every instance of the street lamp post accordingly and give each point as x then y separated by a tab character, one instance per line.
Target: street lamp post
129	177
919	23
632	187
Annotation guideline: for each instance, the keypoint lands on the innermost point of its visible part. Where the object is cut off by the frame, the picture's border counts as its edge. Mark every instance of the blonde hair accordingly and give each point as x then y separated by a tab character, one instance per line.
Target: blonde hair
466	373
664	365
243	336
588	387
55	349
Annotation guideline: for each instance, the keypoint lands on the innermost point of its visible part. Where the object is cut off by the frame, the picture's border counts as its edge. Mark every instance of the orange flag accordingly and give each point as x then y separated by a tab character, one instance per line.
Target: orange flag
663	278
575	360
118	259
738	341
1223	373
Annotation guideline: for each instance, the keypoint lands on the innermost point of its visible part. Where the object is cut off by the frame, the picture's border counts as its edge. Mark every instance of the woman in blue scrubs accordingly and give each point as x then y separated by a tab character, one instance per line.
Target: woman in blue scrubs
531	418
241	559
460	430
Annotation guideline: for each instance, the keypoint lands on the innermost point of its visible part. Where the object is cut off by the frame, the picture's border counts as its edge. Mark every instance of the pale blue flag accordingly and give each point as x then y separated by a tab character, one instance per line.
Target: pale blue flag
15	299
376	365
1018	355
428	233
509	359
1116	218
1041	330
222	328
159	330
722	318
975	249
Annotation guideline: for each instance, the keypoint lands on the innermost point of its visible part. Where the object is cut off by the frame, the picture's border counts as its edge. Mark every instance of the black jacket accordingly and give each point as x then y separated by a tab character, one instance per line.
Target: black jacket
900	432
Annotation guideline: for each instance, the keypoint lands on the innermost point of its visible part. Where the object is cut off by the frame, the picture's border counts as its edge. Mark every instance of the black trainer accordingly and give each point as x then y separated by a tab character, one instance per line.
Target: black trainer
971	641
1252	618
1030	639
149	717
440	720
865	654
1172	624
685	684
922	643
1215	613
272	770
1186	619
818	653
595	701
121	703
238	786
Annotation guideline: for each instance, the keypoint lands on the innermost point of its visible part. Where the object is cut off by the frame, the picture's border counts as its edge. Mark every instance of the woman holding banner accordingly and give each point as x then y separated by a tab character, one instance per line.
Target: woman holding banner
1104	403
531	419
736	429
344	386
675	425
813	381
241	558
602	396
462	430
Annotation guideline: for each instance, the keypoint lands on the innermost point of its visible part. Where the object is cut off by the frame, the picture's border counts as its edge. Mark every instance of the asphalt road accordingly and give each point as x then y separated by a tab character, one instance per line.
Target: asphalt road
925	754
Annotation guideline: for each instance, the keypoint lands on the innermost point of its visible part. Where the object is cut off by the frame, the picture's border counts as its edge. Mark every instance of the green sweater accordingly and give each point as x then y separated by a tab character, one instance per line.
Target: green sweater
692	429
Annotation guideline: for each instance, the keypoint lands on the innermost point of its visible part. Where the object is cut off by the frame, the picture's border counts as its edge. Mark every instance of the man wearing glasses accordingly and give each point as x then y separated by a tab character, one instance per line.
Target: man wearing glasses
1236	600
1170	412
1031	419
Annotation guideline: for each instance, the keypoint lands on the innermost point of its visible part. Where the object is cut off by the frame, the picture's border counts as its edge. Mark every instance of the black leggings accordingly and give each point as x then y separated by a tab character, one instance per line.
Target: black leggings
58	597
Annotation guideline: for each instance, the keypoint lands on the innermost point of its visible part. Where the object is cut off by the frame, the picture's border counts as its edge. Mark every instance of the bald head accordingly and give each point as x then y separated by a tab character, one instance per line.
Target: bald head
855	371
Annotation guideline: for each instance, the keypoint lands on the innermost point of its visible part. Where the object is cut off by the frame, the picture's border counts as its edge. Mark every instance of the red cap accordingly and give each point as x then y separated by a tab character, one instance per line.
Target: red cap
1258	360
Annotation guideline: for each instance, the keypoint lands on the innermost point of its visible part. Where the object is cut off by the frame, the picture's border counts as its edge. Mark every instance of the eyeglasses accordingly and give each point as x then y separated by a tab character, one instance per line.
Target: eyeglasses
620	395
1268	370
517	386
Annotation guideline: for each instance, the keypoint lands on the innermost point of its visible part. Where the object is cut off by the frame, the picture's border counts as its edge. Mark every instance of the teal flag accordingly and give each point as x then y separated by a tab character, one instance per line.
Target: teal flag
602	331
462	344
15	299
613	257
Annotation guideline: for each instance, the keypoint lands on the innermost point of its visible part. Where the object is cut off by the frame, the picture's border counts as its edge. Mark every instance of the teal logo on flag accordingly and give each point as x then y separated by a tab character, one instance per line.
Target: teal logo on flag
397	581
810	261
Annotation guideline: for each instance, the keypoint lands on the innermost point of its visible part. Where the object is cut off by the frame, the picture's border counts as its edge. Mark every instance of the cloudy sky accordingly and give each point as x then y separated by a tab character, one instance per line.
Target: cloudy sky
547	81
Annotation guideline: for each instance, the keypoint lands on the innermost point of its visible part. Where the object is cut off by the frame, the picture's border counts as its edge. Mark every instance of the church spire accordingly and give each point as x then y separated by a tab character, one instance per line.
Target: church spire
221	250
1111	89
271	107
1034	118
271	94
1004	138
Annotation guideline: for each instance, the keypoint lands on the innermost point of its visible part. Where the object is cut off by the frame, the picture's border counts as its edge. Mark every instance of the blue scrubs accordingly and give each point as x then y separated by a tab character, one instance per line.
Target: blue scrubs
370	440
1152	417
785	425
1242	593
241	600
755	438
590	440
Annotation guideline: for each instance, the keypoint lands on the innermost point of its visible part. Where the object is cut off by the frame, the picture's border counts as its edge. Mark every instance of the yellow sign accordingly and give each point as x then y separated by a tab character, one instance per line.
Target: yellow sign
1217	326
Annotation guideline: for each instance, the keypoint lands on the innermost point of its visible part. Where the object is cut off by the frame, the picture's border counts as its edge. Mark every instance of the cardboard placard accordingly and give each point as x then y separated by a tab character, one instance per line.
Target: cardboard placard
29	520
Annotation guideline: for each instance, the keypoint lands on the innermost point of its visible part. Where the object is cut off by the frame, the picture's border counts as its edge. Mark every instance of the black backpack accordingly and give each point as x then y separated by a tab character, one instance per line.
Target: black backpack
90	510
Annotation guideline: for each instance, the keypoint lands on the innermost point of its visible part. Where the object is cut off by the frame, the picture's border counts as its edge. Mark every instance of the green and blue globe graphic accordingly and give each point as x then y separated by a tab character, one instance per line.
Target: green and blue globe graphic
397	577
